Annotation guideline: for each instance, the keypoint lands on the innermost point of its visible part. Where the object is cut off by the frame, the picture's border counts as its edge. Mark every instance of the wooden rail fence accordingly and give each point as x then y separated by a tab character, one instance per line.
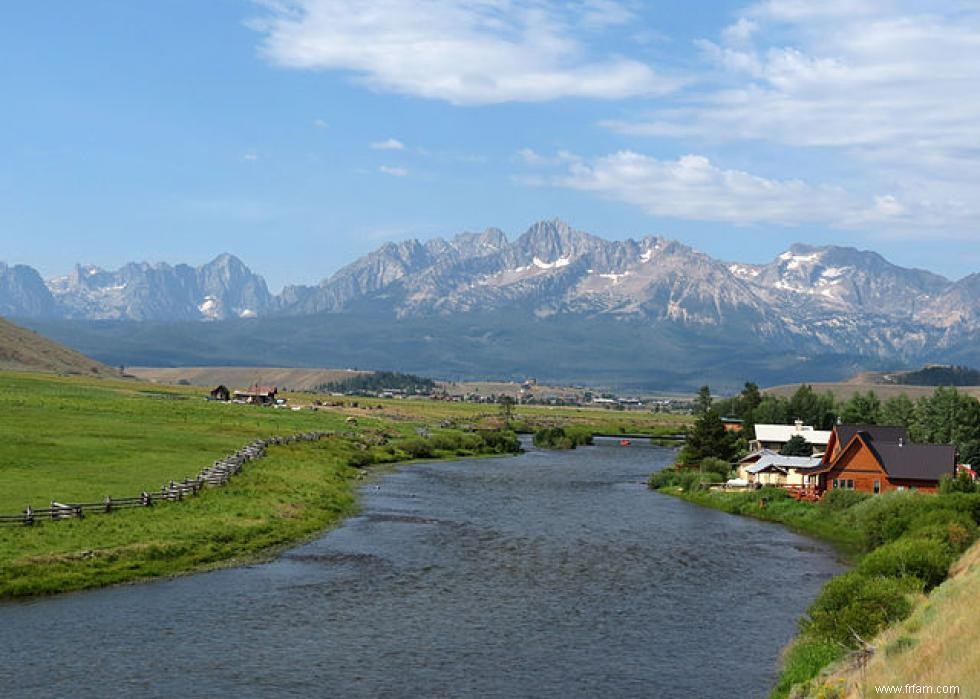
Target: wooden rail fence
215	476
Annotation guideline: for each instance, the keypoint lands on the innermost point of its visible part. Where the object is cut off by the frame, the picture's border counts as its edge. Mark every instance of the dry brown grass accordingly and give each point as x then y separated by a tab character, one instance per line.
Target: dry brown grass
242	376
25	350
938	645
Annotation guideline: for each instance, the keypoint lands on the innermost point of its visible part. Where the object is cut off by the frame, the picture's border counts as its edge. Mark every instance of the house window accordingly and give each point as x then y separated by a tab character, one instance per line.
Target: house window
901	487
835	482
877	487
850	484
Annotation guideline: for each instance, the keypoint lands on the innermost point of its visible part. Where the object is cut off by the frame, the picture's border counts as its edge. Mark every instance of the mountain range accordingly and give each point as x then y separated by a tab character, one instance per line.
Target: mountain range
557	284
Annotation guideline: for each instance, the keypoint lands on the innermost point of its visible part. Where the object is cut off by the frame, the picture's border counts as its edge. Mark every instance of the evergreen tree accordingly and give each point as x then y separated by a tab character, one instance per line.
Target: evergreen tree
702	402
708	438
796	446
897	411
862	409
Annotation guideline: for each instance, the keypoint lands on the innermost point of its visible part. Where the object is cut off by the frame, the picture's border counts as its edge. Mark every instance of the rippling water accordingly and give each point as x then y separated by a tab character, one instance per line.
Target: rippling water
552	574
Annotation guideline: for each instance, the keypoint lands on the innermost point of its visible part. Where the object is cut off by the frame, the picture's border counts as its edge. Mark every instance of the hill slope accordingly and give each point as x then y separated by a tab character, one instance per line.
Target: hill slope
25	350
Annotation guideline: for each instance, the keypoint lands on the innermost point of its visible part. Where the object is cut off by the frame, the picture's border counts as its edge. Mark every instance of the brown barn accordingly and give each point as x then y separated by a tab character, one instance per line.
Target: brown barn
876	459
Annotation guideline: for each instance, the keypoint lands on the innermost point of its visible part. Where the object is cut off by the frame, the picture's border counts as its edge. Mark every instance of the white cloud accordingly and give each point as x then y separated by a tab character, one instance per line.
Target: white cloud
393	171
465	52
388	144
320	123
694	188
886	90
250	157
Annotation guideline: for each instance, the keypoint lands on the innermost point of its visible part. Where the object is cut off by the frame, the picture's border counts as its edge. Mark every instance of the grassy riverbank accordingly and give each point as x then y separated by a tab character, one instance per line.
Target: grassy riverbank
78	439
901	545
935	647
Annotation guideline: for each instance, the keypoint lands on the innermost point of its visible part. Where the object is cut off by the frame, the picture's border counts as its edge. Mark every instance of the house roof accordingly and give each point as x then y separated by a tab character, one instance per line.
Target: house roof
922	462
897	457
756	455
783	463
783	433
259	391
876	433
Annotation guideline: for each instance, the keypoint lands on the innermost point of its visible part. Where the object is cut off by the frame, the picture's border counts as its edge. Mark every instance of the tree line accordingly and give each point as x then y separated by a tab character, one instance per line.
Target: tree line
945	417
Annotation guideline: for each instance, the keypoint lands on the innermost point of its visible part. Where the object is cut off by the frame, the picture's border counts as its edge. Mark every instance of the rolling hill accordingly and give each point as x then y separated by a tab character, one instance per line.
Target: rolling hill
26	350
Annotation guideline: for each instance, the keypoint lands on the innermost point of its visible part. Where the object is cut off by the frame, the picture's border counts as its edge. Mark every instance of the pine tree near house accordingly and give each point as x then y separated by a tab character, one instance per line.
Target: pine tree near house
796	446
708	438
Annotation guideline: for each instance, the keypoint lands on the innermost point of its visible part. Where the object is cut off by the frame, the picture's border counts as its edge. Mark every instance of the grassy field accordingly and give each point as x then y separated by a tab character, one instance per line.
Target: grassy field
75	439
78	440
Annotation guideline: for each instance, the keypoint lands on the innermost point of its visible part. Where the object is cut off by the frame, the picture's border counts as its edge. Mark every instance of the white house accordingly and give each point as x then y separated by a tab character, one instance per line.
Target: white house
774	437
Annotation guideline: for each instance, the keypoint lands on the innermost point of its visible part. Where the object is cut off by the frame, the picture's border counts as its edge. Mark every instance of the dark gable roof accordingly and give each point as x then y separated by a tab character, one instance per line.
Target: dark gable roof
921	462
872	433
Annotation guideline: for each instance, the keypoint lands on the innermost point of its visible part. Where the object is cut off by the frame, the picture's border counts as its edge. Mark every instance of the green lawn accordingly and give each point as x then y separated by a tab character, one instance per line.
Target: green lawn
78	440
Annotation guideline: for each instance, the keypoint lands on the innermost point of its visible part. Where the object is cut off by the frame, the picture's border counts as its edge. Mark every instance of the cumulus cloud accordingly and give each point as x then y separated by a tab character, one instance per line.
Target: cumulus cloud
388	144
888	88
692	187
466	52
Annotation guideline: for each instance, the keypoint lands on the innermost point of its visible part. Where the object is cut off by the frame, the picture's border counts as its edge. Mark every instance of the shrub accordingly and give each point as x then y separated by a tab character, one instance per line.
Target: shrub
956	530
417	448
839	499
663	478
856	603
925	559
804	659
962	483
719	467
552	438
500	441
689	480
360	459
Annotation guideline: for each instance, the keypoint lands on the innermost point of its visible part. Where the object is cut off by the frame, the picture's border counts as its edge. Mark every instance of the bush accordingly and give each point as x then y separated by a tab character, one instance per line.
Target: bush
956	530
804	659
840	499
663	478
856	603
719	467
688	480
360	459
560	438
500	441
417	448
925	559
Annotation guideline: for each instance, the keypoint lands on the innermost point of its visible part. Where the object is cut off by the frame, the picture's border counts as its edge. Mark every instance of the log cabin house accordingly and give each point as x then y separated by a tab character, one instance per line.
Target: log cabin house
876	459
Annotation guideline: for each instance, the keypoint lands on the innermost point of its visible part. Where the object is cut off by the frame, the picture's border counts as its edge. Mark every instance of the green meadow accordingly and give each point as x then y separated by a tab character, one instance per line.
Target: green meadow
77	439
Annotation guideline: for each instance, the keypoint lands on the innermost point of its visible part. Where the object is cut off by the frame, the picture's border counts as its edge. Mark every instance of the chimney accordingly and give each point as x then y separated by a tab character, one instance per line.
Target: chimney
799	425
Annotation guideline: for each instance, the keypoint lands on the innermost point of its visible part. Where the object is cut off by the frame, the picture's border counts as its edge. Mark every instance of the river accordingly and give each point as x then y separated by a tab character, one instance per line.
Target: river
550	574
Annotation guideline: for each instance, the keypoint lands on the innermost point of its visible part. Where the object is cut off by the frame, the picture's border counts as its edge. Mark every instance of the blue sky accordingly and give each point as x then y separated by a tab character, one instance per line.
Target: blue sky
299	134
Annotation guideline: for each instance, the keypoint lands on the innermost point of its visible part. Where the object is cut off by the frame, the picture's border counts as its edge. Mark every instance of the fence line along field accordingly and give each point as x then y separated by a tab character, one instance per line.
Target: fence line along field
81	439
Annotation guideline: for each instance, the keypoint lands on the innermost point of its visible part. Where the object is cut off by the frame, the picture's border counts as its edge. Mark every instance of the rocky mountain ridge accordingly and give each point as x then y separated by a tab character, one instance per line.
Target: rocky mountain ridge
809	299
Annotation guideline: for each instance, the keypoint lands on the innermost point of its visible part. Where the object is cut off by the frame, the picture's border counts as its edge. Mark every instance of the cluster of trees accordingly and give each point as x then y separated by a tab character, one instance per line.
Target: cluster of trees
945	417
379	381
941	376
